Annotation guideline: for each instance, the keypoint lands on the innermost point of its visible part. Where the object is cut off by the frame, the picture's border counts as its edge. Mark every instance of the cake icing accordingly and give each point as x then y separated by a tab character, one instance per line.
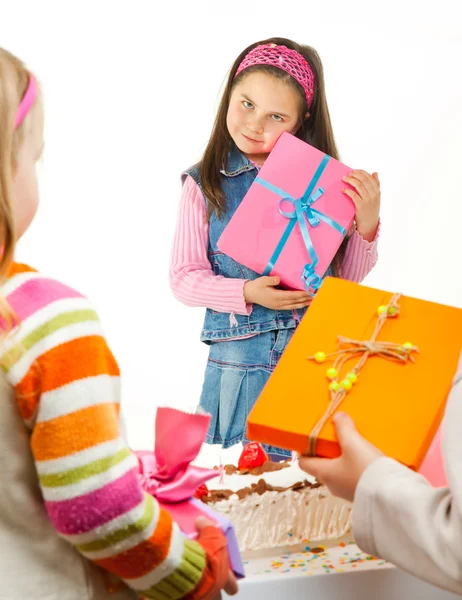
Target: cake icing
277	504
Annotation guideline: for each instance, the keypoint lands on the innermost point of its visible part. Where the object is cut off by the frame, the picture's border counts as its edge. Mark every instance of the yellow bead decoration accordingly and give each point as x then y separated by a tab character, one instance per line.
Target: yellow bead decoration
341	377
346	385
320	357
332	373
343	383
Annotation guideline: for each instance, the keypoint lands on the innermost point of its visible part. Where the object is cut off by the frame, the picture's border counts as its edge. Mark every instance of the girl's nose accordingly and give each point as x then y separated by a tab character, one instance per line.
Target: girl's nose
256	125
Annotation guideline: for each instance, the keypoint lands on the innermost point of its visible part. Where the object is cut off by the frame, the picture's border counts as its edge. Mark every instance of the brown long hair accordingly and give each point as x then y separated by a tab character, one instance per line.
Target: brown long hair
316	130
14	79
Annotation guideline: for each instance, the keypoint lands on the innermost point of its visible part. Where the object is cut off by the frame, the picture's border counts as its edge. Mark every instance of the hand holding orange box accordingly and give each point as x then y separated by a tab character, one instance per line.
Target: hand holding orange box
396	404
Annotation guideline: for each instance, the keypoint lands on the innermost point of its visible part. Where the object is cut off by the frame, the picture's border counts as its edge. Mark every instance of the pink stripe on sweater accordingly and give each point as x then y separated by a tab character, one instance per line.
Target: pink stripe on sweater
192	279
94	509
35	294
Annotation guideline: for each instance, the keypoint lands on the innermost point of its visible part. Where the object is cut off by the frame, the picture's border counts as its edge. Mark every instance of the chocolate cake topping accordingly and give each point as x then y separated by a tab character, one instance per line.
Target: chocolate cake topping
256	488
267	467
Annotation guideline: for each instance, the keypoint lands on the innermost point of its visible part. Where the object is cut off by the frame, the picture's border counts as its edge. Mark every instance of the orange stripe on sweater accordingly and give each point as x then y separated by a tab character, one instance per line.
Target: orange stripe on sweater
77	359
76	431
143	558
17	268
28	392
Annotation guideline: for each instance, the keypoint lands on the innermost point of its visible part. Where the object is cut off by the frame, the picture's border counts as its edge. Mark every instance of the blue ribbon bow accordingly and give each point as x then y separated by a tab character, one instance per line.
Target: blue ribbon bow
303	211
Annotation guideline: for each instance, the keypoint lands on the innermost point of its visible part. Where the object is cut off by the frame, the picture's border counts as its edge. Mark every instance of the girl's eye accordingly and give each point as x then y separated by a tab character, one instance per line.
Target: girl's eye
248	104
276	118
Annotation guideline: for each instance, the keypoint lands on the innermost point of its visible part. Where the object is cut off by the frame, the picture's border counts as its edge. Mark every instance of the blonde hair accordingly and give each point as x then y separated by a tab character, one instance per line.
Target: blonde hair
14	79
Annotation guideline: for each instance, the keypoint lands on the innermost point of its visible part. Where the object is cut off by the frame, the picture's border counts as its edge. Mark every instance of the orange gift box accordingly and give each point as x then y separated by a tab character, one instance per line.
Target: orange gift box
397	406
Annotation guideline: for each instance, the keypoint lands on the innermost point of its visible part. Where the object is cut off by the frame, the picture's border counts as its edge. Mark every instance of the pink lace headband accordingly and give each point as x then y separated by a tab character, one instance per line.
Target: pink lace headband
27	101
283	58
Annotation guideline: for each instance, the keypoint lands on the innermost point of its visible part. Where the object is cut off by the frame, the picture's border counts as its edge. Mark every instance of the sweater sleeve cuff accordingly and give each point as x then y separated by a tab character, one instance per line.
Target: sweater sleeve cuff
247	307
368	245
232	299
185	579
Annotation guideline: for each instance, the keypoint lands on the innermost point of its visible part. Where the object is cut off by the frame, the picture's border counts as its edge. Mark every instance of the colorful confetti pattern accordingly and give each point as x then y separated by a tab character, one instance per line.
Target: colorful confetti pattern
315	559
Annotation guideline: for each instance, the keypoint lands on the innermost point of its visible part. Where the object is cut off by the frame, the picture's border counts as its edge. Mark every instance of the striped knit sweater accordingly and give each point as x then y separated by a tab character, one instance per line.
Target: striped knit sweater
67	386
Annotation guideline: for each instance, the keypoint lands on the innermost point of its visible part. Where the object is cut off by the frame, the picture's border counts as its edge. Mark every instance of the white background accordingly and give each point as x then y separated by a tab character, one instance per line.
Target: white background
131	90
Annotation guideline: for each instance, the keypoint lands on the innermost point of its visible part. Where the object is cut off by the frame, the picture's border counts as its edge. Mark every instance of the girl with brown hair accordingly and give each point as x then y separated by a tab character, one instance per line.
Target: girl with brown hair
274	86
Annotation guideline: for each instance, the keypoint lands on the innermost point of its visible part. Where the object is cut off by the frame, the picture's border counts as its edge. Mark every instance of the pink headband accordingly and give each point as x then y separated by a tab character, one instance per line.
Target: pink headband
283	58
27	101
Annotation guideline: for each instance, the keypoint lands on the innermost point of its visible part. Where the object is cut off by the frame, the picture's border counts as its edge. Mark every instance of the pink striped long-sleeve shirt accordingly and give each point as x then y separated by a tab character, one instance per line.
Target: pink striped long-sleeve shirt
192	279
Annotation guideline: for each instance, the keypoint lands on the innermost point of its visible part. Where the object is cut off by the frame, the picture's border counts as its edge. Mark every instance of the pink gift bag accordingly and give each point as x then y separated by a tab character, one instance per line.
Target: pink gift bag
294	217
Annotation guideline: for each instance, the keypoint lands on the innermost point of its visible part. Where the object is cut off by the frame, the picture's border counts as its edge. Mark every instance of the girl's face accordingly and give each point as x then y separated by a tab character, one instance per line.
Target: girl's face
261	108
25	195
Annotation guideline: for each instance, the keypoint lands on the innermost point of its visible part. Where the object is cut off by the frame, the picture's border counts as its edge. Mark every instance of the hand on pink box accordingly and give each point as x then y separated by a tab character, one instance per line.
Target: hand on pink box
294	217
167	474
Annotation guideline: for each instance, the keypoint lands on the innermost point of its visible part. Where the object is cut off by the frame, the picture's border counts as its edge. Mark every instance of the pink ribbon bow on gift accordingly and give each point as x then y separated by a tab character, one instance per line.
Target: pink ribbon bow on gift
167	473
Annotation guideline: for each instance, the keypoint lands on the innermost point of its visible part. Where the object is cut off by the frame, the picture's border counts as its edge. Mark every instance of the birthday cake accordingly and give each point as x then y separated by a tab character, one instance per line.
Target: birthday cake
273	504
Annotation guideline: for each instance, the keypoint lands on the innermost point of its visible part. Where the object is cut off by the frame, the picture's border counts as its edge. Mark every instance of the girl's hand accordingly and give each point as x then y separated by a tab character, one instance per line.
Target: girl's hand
341	475
367	201
261	291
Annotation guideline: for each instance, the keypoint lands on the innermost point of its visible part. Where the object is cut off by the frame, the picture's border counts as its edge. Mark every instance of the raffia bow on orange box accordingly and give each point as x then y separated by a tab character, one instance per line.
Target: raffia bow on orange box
387	360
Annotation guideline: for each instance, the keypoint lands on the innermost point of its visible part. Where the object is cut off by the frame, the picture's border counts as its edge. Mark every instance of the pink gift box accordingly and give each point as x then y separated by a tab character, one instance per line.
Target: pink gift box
168	475
294	217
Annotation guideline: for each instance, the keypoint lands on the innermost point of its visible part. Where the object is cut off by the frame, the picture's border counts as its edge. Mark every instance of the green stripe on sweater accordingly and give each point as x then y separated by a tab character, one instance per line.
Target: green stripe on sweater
79	473
58	322
184	579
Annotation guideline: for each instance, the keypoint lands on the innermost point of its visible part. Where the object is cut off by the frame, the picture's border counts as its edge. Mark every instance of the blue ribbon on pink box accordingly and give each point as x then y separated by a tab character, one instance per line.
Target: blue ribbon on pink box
303	212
